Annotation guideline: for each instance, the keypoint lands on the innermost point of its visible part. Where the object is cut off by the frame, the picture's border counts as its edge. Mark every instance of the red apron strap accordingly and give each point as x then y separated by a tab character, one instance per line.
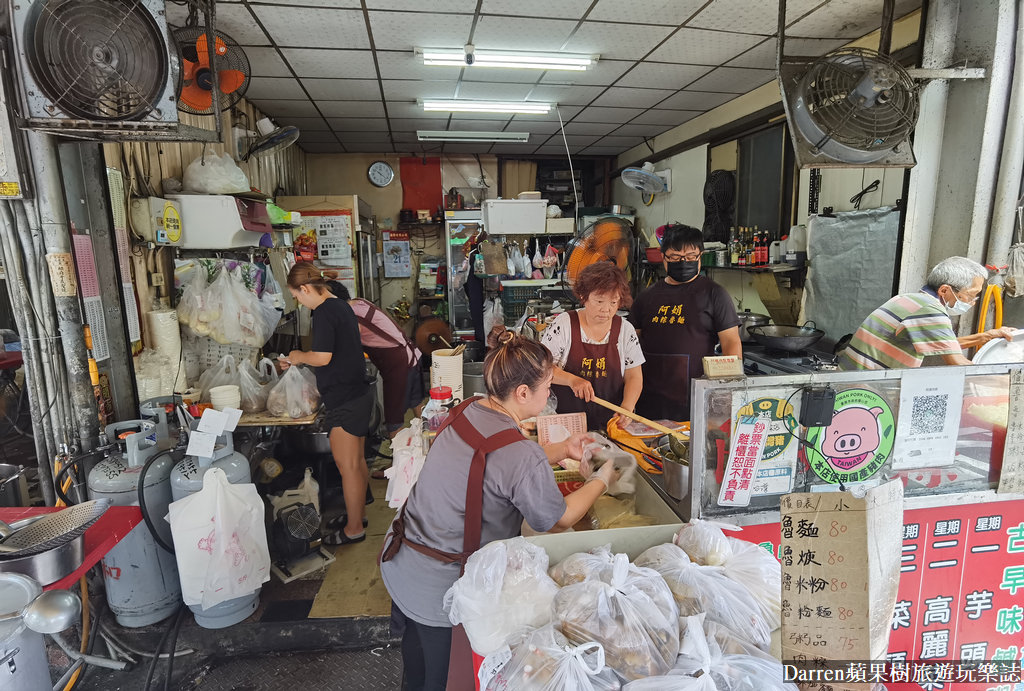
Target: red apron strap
455	413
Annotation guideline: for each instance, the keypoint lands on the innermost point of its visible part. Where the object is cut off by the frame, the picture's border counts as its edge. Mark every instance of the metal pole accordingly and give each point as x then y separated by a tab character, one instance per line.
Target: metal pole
885	31
56	236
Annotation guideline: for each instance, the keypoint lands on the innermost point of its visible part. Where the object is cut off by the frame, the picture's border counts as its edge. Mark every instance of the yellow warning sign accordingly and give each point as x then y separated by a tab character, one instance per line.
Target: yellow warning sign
10	189
172	223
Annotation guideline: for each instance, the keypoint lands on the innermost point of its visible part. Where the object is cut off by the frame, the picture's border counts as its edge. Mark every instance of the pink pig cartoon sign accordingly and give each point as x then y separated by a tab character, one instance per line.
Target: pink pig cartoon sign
857	443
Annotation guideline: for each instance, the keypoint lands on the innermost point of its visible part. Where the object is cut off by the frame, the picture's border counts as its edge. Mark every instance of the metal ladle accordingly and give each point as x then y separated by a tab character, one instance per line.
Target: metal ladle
51	612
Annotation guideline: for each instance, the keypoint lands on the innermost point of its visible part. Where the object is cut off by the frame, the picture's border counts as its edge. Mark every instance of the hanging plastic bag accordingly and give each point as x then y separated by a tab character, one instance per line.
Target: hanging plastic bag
1013	278
525	267
505	587
550	262
516	258
601	451
538	259
546	661
213	174
633	616
307	492
581	566
191	304
224	373
408	457
493	316
220	541
295	395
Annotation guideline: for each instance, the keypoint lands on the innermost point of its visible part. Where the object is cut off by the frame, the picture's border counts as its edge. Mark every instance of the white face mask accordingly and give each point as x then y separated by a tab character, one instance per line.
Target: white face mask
959	307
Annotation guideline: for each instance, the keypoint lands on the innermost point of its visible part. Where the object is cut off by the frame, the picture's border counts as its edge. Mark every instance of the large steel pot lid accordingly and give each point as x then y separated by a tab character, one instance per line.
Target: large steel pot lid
16	591
1000	351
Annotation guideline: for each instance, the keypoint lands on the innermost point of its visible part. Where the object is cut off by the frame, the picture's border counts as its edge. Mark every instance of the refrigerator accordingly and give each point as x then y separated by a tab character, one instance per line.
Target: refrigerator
459	227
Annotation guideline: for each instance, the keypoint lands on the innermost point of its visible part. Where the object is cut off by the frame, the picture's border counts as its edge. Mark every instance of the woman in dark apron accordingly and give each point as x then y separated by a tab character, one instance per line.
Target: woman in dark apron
481	479
596	352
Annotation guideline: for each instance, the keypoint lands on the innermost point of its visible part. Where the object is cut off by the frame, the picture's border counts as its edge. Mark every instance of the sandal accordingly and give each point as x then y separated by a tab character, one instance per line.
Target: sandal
338	537
339	522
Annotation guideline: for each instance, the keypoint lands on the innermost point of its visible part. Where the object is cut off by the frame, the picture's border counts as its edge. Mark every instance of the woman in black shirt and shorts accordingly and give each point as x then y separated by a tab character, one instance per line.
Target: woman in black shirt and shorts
337	359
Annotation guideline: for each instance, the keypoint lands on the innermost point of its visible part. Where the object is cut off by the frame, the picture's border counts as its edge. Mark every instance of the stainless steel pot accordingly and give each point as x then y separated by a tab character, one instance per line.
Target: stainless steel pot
791	338
49	566
677	478
13	487
473	379
748	319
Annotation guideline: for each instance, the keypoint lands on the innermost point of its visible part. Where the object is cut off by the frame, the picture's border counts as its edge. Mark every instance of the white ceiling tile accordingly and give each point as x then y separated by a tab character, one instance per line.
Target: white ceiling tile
435	5
605	72
369	148
233	20
765	53
624	142
662	75
518	33
483	116
590	127
266	62
322	148
695	100
664	117
749	17
274	87
703	47
494	92
569	9
376	138
513	148
613	115
500	74
304	124
467	147
310	63
317	137
670	12
342	89
557	149
351	109
410	90
736	80
598	150
400	109
317	3
404	136
566	112
617	41
478	125
569	95
282	109
314	27
406	30
631	98
407	65
358	124
410	124
642	130
846	18
546	127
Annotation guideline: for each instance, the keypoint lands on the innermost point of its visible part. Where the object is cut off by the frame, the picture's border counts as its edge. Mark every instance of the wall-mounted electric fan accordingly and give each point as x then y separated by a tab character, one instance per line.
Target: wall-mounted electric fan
646	181
269	139
195	94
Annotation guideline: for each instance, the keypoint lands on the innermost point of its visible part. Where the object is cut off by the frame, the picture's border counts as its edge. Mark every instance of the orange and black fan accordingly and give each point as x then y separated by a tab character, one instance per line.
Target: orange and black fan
195	94
607	239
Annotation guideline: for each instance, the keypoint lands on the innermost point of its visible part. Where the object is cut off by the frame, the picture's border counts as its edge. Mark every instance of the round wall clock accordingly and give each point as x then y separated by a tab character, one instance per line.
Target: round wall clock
381	173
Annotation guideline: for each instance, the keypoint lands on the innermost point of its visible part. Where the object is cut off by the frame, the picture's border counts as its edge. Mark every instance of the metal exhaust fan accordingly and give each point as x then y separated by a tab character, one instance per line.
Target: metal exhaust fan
195	92
851	107
269	139
645	181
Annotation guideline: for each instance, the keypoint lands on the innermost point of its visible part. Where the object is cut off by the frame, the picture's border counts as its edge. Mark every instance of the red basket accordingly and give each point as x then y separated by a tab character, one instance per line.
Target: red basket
653	255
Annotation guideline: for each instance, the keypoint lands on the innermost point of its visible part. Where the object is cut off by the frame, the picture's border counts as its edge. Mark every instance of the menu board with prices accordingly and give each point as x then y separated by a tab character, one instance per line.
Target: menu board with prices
961	591
333	231
1011	476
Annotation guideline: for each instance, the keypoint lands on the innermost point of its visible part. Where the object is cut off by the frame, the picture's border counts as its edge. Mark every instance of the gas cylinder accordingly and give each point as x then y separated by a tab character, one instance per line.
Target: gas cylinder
162	411
186	479
141	577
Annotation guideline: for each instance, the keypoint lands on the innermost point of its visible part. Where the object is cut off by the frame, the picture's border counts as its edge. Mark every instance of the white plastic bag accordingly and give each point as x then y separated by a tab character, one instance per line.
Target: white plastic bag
253	392
705	542
213	174
633	616
408	457
505	588
493	316
295	395
191	304
220	541
546	661
307	492
601	451
224	373
582	566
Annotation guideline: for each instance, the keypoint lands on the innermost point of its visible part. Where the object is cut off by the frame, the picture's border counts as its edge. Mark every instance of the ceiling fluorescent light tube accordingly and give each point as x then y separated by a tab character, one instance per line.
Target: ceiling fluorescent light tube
460	136
484	58
486	107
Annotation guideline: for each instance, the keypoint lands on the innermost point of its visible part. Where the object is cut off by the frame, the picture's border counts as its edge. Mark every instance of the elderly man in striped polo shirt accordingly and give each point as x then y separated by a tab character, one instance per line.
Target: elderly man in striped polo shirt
911	326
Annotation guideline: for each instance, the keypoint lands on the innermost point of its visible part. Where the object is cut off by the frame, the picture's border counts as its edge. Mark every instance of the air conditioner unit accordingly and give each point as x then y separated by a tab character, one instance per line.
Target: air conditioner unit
213	221
98	69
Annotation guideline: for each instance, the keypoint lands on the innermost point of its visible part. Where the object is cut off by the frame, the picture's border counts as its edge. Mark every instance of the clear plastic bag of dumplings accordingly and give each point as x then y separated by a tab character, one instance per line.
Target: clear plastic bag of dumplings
191	303
295	395
546	661
581	566
706	589
632	615
705	542
254	392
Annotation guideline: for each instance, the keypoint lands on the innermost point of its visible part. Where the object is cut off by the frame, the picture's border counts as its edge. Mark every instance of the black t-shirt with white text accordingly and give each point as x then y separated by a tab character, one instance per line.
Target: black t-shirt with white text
336	331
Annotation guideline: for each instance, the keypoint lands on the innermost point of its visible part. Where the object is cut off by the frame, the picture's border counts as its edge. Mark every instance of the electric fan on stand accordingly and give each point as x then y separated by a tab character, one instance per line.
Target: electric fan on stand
195	94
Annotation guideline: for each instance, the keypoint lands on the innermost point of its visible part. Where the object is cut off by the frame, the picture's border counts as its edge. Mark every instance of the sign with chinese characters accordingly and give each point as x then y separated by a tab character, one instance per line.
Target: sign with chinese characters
929	417
1011	477
857	443
750	434
961	588
778	461
669	314
840	573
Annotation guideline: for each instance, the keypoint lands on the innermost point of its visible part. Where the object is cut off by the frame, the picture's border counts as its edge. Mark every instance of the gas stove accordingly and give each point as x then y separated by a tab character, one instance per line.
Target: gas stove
760	360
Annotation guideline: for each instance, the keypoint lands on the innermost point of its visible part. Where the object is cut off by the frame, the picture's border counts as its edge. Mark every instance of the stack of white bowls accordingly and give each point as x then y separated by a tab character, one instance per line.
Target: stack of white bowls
222	397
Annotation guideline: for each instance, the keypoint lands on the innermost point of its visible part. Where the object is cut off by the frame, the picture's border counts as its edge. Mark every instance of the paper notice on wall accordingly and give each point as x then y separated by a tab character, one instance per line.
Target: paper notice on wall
333	232
62	274
85	260
750	434
777	466
131	311
93	307
397	259
1011	477
929	417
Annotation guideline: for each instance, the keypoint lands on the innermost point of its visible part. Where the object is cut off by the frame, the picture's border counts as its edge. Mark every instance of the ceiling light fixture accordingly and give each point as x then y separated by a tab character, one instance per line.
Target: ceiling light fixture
460	136
455	57
487	107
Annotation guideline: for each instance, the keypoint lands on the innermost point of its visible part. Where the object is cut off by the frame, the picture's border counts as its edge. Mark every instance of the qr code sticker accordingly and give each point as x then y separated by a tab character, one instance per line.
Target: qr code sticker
928	414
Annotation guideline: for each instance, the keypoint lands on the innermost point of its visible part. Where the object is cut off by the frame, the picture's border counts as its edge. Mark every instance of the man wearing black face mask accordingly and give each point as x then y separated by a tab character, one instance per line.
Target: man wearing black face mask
679	321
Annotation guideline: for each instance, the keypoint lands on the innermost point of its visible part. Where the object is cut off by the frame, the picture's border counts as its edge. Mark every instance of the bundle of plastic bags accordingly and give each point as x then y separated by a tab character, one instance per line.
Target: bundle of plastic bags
215	174
504	589
546	661
227	311
294	395
632	615
255	384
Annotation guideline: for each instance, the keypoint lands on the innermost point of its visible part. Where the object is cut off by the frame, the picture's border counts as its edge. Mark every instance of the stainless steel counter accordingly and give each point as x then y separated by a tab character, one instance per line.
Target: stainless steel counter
681	507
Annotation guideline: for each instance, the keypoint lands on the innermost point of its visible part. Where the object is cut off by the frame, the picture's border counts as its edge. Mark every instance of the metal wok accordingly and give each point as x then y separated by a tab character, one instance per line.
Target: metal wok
791	338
